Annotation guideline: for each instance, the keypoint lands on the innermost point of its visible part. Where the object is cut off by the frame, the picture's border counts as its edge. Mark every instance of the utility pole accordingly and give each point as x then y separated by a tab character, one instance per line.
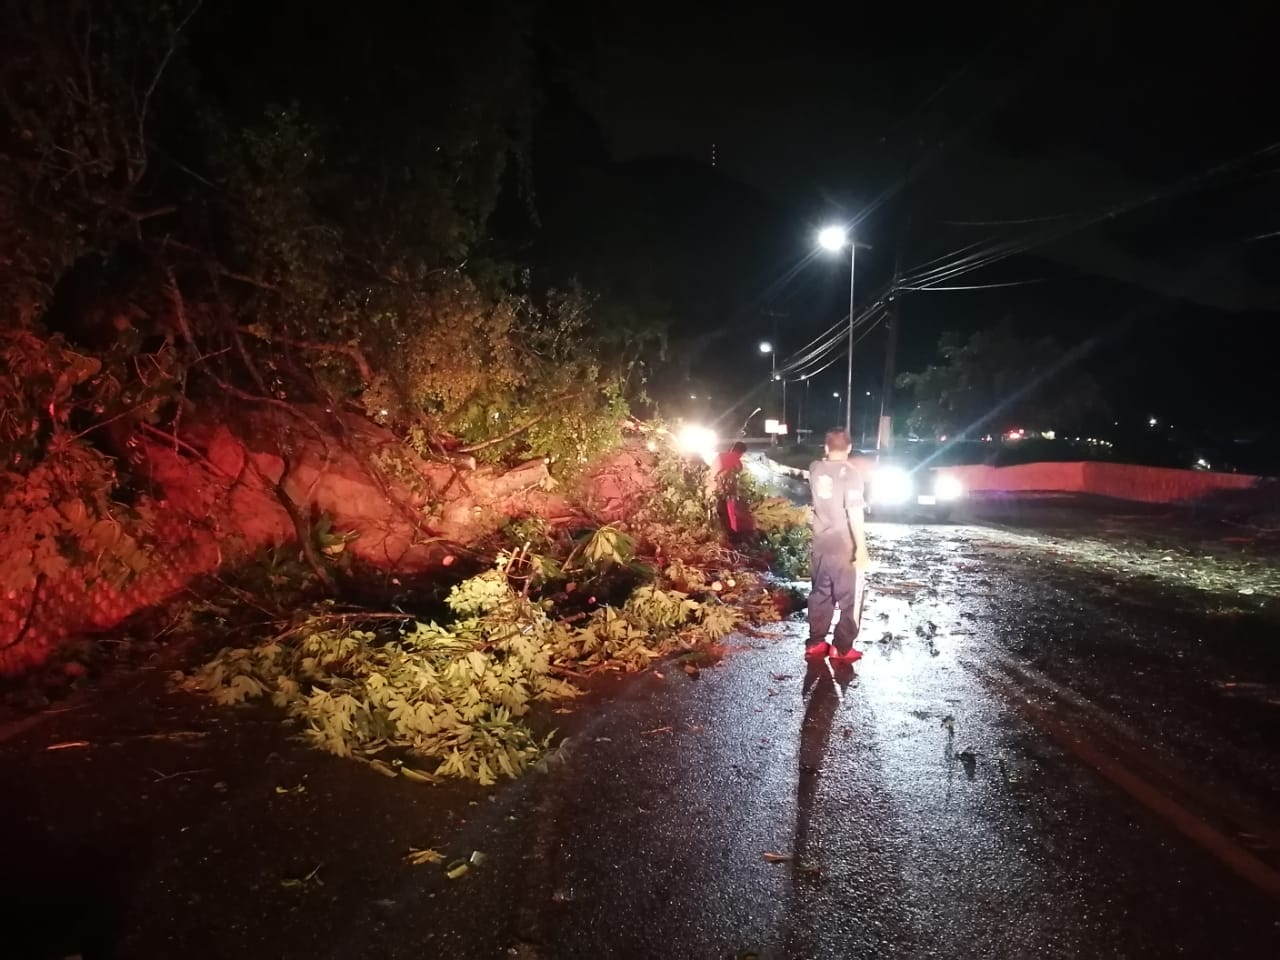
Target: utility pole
884	436
774	317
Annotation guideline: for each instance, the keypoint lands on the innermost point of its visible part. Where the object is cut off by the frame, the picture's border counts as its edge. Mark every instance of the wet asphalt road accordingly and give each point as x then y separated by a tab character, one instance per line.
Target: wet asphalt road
1048	751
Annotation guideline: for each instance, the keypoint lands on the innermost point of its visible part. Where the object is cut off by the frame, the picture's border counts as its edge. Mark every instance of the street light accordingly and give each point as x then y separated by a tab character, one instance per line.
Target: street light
766	346
833	239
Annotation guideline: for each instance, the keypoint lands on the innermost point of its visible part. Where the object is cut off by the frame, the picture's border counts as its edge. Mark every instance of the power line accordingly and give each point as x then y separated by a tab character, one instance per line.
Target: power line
1001	251
978	286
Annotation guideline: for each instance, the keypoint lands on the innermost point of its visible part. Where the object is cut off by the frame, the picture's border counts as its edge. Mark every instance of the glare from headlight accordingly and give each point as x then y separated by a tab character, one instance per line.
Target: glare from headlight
890	485
697	441
948	487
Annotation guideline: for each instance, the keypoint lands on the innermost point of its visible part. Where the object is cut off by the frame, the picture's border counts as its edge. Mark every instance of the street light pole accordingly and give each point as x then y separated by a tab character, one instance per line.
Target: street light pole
834	238
848	384
766	346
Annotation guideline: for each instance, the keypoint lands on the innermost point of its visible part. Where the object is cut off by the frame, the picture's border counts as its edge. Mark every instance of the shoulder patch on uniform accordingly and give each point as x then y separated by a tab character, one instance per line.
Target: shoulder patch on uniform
823	487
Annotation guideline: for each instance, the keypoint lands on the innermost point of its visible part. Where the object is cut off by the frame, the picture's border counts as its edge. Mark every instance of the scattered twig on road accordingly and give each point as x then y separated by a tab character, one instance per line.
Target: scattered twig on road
161	777
67	745
646	733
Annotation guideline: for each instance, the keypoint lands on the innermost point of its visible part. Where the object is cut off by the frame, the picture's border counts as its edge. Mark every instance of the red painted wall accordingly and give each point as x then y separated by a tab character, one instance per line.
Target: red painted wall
1120	480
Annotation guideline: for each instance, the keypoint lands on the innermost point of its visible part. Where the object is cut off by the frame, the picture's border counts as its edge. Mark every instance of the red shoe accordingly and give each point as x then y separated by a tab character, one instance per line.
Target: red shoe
817	651
849	656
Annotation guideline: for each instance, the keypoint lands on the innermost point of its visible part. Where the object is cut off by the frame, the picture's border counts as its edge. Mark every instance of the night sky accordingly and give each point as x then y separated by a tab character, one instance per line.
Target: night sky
932	131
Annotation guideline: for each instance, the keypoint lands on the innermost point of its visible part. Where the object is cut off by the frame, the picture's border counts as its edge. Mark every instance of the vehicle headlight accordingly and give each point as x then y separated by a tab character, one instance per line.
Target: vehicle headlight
697	441
948	487
890	485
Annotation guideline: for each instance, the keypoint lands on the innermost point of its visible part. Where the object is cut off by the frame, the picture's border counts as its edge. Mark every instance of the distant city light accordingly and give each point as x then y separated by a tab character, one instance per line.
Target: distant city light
836	395
832	238
1203	464
693	396
777	376
1049	435
1152	422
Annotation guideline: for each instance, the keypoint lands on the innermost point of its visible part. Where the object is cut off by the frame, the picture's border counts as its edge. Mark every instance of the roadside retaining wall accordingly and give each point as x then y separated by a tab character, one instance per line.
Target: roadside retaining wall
214	500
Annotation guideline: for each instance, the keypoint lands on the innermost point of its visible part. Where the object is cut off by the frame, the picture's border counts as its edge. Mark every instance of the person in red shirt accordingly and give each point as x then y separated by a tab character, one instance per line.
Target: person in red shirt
723	486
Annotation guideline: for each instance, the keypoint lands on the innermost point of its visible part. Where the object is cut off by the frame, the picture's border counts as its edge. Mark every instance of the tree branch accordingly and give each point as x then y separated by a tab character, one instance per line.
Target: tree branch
354	353
302	525
26	621
155	81
472	448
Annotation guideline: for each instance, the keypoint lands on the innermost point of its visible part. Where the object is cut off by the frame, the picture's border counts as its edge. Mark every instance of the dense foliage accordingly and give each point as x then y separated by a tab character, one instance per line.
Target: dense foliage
310	223
996	380
306	224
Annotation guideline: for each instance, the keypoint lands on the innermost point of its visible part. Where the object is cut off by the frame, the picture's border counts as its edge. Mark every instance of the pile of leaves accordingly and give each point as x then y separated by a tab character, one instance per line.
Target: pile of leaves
429	700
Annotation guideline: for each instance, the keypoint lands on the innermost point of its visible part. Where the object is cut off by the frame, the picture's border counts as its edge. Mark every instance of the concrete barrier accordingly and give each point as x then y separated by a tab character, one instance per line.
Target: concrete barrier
782	470
1023	478
1122	481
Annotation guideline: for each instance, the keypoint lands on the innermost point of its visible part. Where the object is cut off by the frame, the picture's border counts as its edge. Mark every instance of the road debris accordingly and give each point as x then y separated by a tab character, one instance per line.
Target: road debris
419	856
294	883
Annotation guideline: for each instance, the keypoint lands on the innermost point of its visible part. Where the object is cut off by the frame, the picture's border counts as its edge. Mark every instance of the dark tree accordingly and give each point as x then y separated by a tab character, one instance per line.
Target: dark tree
996	380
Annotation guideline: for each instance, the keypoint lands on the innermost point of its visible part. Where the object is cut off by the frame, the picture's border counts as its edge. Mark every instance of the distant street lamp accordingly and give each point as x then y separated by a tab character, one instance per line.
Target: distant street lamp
767	347
833	239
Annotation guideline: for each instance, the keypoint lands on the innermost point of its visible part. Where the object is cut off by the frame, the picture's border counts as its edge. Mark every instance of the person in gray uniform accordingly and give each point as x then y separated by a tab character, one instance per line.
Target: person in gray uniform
839	551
